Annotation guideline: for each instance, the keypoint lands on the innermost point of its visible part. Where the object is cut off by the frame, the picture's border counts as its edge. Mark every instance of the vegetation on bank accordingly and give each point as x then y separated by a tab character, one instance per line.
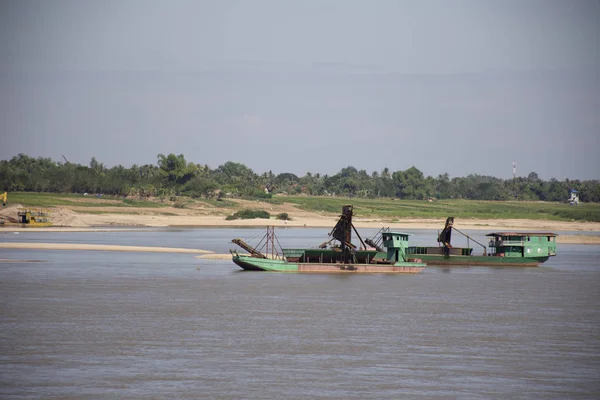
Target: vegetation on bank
178	183
283	217
386	209
249	214
42	200
393	209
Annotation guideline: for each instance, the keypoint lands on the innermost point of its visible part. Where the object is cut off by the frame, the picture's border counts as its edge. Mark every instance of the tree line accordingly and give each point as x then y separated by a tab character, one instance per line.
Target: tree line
173	175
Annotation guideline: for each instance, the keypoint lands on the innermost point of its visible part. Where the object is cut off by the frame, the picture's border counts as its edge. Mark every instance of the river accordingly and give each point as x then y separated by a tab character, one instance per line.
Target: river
87	324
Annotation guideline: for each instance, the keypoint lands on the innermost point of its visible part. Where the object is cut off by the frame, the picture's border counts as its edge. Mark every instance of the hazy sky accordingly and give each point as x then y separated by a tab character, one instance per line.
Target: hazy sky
306	86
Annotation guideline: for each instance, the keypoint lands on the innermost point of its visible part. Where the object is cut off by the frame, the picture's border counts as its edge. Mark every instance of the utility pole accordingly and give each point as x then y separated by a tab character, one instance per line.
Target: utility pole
515	179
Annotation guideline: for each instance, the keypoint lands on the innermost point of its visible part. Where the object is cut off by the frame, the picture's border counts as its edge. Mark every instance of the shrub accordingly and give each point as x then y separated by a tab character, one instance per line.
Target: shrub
284	217
249	214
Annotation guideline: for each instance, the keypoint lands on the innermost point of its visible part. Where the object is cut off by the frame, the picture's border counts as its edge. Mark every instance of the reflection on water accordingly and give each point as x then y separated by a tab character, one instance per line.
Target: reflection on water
139	325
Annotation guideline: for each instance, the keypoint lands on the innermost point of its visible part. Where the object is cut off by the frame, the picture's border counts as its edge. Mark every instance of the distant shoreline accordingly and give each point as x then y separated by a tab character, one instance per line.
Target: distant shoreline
123	222
574	237
107	218
563	239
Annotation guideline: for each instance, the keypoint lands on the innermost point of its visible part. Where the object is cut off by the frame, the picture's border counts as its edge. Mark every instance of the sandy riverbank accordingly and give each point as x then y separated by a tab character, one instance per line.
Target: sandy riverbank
578	239
107	219
118	222
79	219
122	223
98	247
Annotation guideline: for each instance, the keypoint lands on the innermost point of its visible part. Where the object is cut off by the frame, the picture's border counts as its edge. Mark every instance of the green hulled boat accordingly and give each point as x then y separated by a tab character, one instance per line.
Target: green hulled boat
521	249
336	255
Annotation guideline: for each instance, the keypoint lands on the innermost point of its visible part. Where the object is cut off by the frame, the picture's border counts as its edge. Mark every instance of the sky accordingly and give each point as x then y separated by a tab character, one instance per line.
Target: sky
448	86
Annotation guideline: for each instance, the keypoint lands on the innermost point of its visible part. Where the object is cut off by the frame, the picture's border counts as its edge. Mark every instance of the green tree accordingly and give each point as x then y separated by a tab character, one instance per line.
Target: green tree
175	169
410	184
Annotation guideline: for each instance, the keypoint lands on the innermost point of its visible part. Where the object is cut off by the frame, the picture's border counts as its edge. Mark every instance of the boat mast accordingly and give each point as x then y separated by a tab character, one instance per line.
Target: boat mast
343	233
445	237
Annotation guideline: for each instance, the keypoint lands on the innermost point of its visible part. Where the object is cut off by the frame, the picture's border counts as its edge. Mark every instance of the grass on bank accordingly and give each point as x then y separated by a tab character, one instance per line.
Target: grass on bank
124	212
363	208
388	208
44	200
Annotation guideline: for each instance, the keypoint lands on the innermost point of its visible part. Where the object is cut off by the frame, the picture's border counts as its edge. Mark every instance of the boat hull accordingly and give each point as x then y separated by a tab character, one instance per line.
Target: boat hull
260	264
493	261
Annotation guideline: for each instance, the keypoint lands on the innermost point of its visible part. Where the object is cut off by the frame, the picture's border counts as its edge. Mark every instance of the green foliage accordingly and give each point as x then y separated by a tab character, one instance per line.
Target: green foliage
220	203
175	169
258	194
283	216
173	176
142	203
200	186
249	214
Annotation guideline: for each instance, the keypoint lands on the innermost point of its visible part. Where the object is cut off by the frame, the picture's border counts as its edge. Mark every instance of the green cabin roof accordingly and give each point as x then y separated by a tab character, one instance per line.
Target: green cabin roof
496	234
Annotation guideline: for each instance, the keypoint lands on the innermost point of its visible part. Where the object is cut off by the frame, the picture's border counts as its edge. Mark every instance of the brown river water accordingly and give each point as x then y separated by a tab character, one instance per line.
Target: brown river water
107	325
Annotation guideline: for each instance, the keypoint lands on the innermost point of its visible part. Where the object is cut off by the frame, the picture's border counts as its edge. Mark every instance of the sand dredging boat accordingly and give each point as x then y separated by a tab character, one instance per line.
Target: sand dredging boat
338	254
519	249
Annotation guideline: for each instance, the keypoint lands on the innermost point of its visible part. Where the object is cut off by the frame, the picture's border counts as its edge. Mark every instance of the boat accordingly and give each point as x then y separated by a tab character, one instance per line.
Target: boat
337	255
523	249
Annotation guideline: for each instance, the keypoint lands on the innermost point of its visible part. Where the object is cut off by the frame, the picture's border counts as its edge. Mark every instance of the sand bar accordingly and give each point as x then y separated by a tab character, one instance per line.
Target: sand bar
215	256
110	223
98	247
564	239
10	228
578	239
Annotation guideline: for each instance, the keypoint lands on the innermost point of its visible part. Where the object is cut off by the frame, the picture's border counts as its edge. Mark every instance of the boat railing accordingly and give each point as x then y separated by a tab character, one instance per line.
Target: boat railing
377	241
500	243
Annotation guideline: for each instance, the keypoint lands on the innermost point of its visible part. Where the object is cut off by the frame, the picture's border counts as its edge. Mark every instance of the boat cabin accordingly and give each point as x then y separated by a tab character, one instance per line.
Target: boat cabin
522	244
396	244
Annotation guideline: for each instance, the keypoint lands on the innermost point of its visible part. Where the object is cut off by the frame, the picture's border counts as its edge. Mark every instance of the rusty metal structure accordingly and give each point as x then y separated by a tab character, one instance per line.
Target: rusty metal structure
267	248
342	232
445	237
253	251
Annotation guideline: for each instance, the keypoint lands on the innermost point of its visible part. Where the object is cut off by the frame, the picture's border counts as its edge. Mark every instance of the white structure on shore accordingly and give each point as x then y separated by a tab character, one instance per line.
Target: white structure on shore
574	199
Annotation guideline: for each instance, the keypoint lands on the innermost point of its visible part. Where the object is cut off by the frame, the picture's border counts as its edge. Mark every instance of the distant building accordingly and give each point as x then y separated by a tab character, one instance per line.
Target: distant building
574	199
